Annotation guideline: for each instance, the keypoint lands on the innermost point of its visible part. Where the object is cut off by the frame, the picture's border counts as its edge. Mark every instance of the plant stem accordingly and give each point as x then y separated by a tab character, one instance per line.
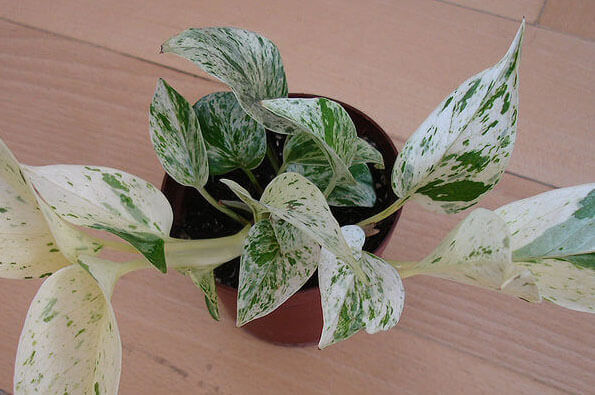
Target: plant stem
383	214
236	204
232	214
117	245
406	269
206	252
272	158
253	180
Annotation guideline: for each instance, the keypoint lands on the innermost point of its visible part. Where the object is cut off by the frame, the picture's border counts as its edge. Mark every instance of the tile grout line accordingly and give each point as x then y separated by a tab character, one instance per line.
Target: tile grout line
533	24
538	20
99	46
151	62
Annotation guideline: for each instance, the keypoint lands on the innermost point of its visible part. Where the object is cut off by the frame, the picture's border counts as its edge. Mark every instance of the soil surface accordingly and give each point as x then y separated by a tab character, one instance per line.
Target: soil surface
194	218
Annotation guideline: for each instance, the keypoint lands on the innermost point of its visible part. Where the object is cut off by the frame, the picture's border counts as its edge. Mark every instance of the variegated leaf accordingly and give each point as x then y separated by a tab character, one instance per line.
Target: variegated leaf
258	209
329	136
553	224
177	138
233	139
293	198
361	194
70	341
568	282
205	280
461	150
365	153
247	62
277	261
27	248
349	305
553	235
108	199
477	252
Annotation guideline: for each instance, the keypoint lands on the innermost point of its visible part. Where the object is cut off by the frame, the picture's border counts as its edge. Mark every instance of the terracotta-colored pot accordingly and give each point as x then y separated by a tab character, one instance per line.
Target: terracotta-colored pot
298	322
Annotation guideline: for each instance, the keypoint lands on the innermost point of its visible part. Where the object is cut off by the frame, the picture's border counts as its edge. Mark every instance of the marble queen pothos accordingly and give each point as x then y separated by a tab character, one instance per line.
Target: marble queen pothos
538	248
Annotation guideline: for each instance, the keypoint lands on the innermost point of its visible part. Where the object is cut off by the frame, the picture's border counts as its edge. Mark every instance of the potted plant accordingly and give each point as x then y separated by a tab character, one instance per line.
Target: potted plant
538	248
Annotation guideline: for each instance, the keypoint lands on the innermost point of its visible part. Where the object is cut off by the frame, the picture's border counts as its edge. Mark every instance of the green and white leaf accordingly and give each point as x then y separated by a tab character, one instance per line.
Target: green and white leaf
177	138
110	200
258	209
293	198
553	224
348	304
461	150
204	278
277	261
233	139
553	235
477	252
365	153
247	62
70	341
71	241
568	283
361	194
329	136
27	247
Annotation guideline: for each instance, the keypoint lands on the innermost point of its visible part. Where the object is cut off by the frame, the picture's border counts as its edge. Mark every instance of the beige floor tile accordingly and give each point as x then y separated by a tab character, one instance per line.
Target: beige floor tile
570	16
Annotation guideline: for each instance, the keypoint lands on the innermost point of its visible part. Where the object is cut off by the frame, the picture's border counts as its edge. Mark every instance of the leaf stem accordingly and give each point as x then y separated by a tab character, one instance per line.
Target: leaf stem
117	245
232	214
384	213
253	180
405	268
272	158
204	253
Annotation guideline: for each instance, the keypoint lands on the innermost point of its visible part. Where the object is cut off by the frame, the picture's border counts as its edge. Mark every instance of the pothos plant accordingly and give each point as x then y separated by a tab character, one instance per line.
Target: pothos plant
537	248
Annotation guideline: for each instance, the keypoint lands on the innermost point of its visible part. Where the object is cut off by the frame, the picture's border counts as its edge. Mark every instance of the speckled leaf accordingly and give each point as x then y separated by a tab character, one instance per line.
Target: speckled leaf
258	209
70	341
365	153
293	198
569	283
27	248
233	139
277	261
110	200
553	235
249	63
361	194
461	150
71	241
477	252
177	138
553	224
328	134
349	305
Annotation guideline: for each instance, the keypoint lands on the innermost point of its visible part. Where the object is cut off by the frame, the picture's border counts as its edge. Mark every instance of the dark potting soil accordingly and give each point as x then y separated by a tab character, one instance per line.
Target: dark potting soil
194	218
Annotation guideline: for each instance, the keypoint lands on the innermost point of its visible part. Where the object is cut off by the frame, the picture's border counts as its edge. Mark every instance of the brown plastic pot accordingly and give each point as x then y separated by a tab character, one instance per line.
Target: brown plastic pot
298	322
